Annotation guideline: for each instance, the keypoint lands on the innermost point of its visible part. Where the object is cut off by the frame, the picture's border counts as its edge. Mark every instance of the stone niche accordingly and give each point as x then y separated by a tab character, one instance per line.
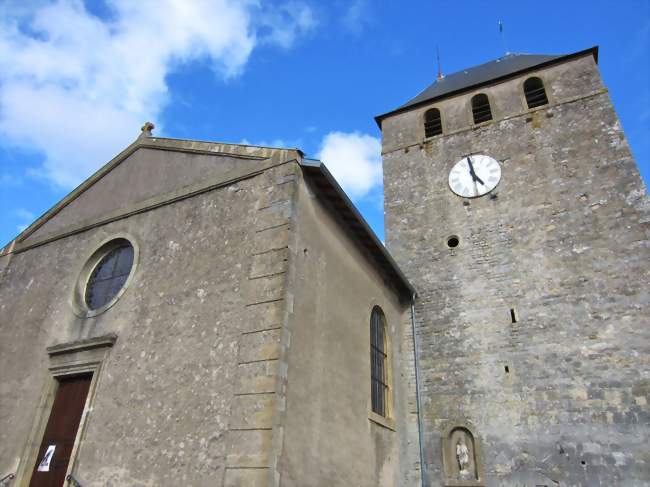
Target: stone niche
461	456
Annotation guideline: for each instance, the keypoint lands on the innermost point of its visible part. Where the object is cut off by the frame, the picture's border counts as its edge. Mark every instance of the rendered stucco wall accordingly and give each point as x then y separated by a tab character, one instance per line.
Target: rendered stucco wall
565	243
328	438
148	173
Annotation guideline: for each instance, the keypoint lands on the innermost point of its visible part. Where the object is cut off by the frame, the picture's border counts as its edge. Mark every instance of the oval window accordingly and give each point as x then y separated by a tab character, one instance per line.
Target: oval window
109	275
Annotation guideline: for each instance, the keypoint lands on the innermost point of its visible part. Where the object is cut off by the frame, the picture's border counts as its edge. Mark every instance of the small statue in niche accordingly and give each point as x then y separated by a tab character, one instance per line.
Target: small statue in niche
462	455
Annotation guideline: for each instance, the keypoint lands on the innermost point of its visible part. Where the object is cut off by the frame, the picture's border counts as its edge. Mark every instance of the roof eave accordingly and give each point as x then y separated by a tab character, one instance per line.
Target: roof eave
388	261
592	50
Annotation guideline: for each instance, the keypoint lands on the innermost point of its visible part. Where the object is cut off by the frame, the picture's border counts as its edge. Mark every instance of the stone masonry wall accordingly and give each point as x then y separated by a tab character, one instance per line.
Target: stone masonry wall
561	396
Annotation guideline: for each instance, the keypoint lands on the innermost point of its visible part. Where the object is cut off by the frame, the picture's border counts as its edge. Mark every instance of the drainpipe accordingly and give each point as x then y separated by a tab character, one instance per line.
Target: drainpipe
417	393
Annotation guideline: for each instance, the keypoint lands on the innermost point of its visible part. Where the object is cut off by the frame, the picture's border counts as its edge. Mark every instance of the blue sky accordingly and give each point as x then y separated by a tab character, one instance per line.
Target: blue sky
77	80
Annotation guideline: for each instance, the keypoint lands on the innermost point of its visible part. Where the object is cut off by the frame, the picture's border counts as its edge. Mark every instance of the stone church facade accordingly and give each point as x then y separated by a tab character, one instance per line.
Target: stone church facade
202	314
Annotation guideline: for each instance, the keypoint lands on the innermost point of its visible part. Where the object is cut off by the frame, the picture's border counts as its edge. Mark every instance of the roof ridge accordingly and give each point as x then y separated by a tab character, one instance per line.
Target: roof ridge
202	141
506	56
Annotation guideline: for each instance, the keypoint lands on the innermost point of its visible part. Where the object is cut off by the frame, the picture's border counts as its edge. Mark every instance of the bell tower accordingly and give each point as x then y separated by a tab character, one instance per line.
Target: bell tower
513	204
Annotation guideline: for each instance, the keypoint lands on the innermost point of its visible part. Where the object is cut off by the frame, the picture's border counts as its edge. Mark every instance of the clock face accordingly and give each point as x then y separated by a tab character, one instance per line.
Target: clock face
474	176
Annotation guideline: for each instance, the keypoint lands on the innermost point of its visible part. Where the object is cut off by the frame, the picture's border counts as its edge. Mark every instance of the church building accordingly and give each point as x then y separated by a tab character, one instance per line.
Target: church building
210	314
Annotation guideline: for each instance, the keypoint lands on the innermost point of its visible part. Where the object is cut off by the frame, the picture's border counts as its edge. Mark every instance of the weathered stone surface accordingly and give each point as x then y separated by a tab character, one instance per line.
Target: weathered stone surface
264	289
269	263
252	411
246	477
268	239
564	242
265	315
256	377
248	448
263	345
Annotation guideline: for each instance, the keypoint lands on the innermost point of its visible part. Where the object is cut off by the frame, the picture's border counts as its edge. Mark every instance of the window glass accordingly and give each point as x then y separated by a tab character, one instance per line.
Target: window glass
109	276
378	356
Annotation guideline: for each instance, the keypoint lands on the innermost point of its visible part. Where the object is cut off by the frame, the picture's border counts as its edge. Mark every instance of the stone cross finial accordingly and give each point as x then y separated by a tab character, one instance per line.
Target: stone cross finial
146	129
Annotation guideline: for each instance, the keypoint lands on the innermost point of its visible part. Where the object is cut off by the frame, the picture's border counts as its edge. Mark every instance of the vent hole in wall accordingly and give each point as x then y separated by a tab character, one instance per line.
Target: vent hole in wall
453	241
513	315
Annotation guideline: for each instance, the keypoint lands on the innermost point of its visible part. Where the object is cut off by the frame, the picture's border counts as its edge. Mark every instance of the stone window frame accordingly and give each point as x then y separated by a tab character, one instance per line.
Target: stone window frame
493	112
65	360
387	421
423	116
85	269
522	92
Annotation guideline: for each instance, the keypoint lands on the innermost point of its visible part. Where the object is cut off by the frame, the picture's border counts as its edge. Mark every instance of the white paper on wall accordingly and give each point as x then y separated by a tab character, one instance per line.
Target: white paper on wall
44	466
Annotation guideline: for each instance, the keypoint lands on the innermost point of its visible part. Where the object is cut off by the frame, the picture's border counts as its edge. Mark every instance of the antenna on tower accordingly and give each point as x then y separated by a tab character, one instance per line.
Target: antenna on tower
440	75
502	36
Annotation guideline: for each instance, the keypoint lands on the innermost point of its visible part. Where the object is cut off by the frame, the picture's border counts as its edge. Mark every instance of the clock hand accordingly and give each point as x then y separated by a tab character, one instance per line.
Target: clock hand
472	173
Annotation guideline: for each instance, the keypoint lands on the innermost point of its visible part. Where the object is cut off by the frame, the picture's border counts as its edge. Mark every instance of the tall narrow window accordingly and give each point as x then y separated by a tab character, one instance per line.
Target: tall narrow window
432	123
535	93
481	110
378	362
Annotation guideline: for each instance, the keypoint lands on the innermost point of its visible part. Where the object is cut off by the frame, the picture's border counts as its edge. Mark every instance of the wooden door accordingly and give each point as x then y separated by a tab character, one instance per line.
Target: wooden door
60	432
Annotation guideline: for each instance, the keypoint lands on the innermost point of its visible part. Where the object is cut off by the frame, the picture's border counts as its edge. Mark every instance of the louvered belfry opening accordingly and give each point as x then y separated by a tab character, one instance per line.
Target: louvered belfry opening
481	108
432	123
378	358
535	93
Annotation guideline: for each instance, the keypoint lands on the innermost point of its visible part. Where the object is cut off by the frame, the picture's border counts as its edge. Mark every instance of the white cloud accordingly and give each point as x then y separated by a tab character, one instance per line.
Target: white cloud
26	216
355	161
77	88
286	23
9	179
356	16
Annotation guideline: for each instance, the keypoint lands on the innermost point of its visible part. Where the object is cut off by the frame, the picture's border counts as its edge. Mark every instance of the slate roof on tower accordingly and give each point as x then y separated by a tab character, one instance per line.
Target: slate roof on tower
503	67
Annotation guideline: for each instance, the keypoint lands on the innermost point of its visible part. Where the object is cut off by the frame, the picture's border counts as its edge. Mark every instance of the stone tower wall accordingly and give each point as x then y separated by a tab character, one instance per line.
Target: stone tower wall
560	396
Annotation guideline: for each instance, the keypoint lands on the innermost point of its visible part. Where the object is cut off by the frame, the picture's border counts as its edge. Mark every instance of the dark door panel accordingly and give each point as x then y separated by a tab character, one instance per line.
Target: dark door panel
61	431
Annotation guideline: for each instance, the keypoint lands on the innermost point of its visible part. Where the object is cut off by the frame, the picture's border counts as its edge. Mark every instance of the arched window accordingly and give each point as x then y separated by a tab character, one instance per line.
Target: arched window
432	123
378	362
481	108
535	93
